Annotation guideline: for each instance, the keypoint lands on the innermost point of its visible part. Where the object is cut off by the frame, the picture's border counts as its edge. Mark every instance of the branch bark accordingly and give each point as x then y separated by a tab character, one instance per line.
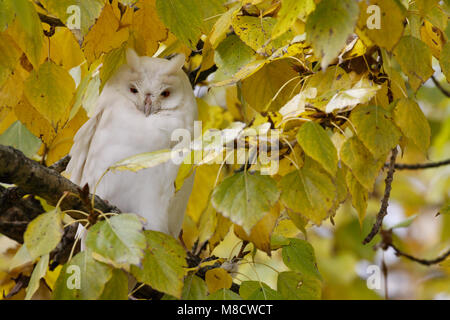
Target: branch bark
33	178
420	166
385	201
54	22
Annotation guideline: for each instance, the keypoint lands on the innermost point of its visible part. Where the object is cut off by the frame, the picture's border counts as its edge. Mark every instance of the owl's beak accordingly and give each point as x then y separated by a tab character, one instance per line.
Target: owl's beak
147	105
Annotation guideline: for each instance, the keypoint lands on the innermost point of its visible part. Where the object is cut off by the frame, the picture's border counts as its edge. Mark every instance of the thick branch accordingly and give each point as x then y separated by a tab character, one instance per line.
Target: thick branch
385	201
33	178
61	165
420	166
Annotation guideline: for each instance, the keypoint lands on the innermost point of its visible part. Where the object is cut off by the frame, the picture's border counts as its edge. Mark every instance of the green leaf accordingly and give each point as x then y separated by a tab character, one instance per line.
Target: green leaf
316	143
289	12
50	90
445	209
188	20
416	66
375	129
445	60
412	122
89	11
82	278
30	36
43	233
361	162
329	27
359	196
117	287
194	288
256	33
232	55
118	241
10	57
256	290
245	198
294	286
38	273
224	294
299	256
405	223
6	14
19	137
309	191
112	61
163	264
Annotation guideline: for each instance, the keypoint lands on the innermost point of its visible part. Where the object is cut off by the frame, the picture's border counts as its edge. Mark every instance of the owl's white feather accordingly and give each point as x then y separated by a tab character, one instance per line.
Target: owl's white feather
137	112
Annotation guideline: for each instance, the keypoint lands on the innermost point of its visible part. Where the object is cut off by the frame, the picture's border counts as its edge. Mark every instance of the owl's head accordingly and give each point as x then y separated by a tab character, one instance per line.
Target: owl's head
153	85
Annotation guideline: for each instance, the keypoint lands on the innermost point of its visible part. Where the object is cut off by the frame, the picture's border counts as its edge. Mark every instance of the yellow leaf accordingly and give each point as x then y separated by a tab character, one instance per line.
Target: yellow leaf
11	92
50	90
269	88
220	29
417	66
148	28
10	56
217	279
391	17
63	142
27	31
105	35
261	233
190	232
433	37
290	11
7	120
256	33
65	50
205	178
35	122
223	227
359	196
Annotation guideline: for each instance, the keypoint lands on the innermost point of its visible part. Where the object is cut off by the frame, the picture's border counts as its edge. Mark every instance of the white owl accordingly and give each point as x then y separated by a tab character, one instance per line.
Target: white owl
138	109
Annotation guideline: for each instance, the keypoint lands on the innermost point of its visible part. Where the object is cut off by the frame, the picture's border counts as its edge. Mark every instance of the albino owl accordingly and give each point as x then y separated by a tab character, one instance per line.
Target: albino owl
139	108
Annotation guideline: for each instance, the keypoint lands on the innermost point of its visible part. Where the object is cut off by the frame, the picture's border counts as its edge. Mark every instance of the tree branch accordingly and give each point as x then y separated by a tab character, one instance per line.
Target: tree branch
386	243
420	166
385	201
425	262
54	22
61	165
33	178
440	87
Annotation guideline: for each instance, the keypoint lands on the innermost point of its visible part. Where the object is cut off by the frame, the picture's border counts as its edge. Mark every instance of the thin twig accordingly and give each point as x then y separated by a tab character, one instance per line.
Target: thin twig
425	262
420	166
440	87
385	201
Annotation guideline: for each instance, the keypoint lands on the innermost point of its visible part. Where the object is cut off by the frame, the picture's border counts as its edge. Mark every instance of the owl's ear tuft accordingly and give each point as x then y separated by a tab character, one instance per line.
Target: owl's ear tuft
132	59
176	63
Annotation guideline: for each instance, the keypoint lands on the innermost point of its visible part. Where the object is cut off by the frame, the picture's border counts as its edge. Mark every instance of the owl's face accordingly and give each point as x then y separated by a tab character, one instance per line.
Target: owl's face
153	85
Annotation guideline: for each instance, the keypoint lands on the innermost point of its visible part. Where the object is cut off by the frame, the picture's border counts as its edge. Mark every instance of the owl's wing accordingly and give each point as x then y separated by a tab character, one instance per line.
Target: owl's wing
81	146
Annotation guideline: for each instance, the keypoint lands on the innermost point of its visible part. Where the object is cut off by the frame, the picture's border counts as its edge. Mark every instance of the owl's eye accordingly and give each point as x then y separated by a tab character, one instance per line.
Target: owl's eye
133	90
165	94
